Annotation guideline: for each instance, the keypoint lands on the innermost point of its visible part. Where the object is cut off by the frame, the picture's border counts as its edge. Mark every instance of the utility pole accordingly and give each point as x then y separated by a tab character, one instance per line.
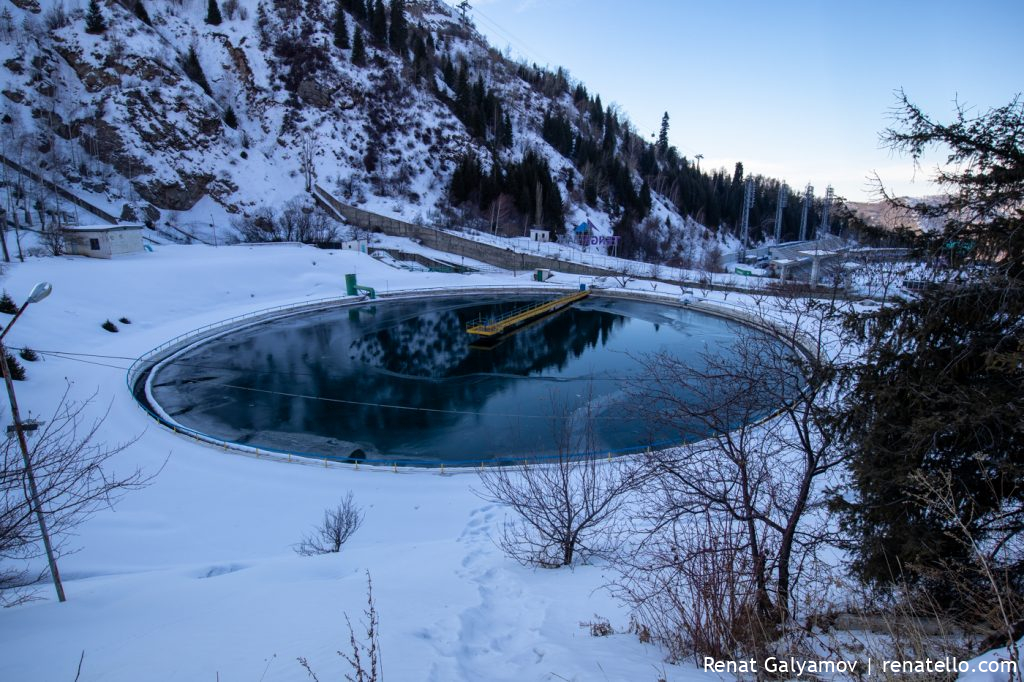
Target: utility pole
39	292
779	205
805	206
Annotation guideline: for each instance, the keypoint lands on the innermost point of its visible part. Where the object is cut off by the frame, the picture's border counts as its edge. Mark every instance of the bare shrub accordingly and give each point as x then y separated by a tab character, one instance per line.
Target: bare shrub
563	508
298	221
628	272
599	627
56	17
364	654
53	240
989	590
338	526
901	623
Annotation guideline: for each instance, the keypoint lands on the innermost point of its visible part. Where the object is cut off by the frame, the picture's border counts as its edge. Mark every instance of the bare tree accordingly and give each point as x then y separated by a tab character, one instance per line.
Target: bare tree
628	272
883	277
309	146
564	507
338	526
747	496
73	480
298	221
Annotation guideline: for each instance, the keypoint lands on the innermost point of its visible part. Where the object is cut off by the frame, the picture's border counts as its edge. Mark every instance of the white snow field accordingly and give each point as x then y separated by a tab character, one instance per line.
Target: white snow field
195	576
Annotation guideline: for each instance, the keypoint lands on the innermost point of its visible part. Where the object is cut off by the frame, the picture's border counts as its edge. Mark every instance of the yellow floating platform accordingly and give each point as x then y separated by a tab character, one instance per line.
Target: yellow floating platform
497	326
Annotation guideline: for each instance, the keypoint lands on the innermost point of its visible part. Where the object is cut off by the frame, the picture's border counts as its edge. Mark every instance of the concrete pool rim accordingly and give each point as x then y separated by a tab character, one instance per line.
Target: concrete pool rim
140	374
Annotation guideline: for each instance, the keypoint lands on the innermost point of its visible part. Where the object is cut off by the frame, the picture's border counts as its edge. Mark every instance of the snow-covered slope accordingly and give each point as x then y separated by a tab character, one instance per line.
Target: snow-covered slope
123	118
194	577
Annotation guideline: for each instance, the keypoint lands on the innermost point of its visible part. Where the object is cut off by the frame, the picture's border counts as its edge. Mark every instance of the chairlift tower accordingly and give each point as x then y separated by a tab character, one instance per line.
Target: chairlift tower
748	203
806	202
823	228
463	7
779	205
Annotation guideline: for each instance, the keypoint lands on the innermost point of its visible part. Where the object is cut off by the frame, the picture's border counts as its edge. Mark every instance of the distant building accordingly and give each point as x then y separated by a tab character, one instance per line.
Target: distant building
103	241
539	235
360	245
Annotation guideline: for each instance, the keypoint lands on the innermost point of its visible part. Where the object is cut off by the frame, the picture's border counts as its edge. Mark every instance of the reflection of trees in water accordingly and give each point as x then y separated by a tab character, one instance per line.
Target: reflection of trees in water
456	377
426	361
428	345
436	345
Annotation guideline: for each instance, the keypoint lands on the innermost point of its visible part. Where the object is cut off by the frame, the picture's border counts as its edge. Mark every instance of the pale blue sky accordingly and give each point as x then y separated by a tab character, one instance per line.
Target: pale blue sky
793	89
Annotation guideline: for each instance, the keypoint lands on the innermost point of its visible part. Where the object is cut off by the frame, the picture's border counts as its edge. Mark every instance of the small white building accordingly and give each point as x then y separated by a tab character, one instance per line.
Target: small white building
360	245
103	241
539	235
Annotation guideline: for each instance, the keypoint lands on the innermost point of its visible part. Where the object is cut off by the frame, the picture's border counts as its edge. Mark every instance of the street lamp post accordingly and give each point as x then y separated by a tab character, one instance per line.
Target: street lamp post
38	293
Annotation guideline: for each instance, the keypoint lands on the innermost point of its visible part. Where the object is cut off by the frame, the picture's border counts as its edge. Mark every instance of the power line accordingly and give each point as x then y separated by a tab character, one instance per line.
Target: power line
408	408
509	36
80	357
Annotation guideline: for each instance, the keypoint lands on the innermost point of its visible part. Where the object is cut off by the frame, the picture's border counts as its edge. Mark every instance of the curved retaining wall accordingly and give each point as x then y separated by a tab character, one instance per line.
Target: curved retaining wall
140	373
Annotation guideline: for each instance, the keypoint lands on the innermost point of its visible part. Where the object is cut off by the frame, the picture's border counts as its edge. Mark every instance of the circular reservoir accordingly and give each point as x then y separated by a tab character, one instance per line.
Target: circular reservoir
402	381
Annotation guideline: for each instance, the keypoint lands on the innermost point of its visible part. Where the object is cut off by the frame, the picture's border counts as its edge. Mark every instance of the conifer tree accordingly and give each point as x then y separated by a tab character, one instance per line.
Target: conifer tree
213	13
357	8
358	48
379	24
936	402
141	13
94	21
230	119
340	27
506	132
398	31
663	135
194	70
7	304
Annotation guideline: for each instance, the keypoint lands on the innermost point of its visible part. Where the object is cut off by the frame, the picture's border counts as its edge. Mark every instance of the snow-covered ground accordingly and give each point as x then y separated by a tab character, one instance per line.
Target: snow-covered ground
195	577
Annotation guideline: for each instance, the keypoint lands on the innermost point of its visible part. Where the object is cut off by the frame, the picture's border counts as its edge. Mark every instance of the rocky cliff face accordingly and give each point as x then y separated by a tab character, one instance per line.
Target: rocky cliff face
249	112
123	111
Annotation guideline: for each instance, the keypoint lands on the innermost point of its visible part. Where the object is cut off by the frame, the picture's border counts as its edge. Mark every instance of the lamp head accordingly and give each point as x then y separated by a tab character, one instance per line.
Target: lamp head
39	292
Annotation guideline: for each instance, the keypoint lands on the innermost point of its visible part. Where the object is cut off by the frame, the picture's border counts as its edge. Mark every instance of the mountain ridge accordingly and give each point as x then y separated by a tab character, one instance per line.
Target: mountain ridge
227	120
